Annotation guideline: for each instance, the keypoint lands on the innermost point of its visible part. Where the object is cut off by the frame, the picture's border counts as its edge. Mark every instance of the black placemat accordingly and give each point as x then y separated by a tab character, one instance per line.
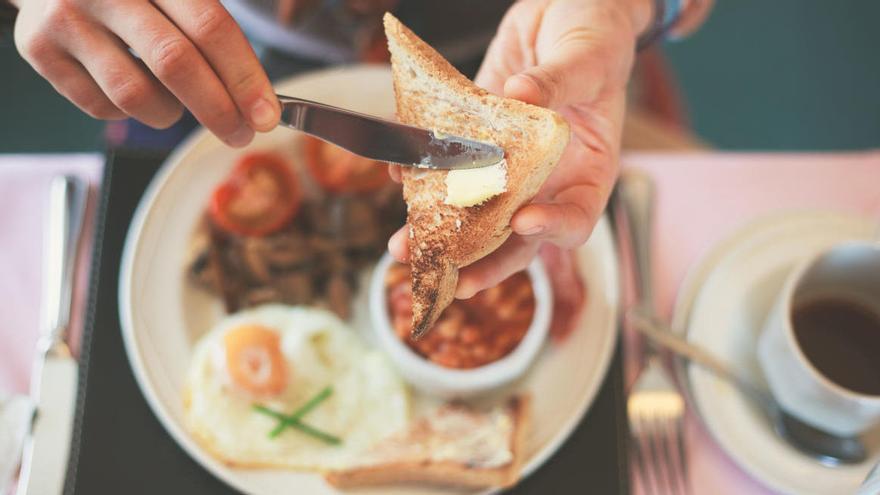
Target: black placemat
119	447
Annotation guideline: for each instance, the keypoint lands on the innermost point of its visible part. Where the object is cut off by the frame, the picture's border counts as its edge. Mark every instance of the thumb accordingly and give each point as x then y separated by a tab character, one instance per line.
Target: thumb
579	51
573	73
565	79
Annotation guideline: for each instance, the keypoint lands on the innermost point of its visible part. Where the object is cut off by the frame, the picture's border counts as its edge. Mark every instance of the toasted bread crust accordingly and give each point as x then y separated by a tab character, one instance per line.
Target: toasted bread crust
430	93
446	473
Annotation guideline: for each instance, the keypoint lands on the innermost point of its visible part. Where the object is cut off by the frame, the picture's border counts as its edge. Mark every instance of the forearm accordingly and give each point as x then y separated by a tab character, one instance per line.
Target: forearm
674	18
693	14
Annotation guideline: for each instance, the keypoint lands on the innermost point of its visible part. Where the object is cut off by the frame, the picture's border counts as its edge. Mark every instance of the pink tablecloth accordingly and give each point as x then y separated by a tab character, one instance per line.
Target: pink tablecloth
701	198
24	186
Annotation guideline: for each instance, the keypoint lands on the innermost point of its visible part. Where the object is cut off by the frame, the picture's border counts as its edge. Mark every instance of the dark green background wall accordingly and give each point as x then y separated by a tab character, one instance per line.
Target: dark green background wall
784	74
761	74
33	117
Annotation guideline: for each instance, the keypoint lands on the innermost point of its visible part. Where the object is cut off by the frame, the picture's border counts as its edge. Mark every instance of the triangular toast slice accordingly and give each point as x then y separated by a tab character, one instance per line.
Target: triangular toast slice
453	446
432	94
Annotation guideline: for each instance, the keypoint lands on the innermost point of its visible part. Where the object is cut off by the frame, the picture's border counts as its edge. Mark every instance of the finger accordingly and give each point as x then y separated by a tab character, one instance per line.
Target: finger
567	225
514	255
79	87
219	39
565	78
177	63
398	245
395	173
124	80
71	80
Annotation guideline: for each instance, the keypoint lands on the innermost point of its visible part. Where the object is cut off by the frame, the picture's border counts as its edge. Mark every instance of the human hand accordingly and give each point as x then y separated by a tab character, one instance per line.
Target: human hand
192	54
573	56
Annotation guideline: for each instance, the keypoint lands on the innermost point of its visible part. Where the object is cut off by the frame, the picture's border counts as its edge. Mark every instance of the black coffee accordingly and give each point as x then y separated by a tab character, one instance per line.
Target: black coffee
842	340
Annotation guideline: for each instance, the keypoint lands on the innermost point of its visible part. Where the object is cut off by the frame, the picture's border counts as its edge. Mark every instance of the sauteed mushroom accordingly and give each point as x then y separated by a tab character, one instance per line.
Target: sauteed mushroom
314	259
295	288
339	295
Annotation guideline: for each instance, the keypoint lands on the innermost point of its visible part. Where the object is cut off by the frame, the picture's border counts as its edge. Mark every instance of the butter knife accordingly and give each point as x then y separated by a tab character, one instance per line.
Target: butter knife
384	140
54	376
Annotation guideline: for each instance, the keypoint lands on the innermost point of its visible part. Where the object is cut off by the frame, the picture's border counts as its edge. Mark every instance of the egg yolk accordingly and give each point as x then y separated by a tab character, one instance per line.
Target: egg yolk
254	360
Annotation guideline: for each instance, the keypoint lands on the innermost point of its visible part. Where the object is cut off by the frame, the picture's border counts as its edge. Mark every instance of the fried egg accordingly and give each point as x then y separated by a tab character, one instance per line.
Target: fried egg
280	357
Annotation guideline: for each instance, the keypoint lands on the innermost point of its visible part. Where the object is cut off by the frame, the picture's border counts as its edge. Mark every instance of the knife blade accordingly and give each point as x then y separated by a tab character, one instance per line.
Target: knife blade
384	140
54	378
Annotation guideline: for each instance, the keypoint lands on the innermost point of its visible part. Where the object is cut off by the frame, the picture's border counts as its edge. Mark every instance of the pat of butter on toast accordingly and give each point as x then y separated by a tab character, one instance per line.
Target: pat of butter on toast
473	186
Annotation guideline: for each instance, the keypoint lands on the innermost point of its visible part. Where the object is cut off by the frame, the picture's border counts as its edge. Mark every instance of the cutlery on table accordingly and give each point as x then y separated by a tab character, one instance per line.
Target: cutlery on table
826	447
16	412
635	195
54	377
655	407
384	140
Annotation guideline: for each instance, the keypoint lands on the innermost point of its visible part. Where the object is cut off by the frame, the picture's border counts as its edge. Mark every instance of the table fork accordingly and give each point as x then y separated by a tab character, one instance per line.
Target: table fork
655	407
656	415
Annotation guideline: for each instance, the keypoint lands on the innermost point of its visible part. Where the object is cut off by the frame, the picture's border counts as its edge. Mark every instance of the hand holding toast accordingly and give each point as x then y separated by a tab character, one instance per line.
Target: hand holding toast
573	56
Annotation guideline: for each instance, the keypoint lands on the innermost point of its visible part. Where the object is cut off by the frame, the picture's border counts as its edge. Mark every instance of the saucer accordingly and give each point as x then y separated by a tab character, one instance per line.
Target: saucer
721	306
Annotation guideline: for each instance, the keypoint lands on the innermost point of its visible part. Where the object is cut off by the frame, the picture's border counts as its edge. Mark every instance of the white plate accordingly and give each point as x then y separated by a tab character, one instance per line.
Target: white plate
721	306
162	316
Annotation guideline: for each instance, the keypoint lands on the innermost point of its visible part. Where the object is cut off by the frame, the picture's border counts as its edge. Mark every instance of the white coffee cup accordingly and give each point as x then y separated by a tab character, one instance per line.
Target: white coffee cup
850	272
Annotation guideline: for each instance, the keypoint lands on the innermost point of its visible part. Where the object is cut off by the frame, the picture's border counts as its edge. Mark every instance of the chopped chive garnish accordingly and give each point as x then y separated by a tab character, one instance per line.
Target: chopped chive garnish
268	412
321	435
302	411
313	403
295	420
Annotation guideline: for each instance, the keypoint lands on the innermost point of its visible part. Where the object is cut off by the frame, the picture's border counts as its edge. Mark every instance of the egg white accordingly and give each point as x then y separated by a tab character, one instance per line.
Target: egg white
369	400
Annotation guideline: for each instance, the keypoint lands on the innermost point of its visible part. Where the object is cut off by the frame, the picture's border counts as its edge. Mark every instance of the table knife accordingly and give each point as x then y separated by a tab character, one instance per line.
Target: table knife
384	140
54	376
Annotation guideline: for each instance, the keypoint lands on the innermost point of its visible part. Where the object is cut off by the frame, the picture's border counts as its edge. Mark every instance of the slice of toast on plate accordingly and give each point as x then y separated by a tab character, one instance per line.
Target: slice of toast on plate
445	232
454	445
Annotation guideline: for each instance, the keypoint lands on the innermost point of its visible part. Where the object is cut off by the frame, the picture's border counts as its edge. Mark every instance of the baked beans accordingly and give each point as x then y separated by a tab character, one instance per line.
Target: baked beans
471	332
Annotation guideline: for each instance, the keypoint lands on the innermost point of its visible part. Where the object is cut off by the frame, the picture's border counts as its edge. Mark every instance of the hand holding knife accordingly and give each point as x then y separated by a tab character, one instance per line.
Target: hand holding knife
54	377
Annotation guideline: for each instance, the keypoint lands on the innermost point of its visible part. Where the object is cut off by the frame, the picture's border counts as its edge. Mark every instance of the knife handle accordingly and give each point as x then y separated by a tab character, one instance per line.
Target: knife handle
44	460
636	199
67	203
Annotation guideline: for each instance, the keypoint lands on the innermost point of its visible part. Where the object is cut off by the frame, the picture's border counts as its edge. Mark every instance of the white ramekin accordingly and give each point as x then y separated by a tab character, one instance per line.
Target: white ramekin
448	383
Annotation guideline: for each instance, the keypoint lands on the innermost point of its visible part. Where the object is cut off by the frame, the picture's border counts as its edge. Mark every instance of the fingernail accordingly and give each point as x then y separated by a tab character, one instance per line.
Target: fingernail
263	113
241	137
463	291
533	230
